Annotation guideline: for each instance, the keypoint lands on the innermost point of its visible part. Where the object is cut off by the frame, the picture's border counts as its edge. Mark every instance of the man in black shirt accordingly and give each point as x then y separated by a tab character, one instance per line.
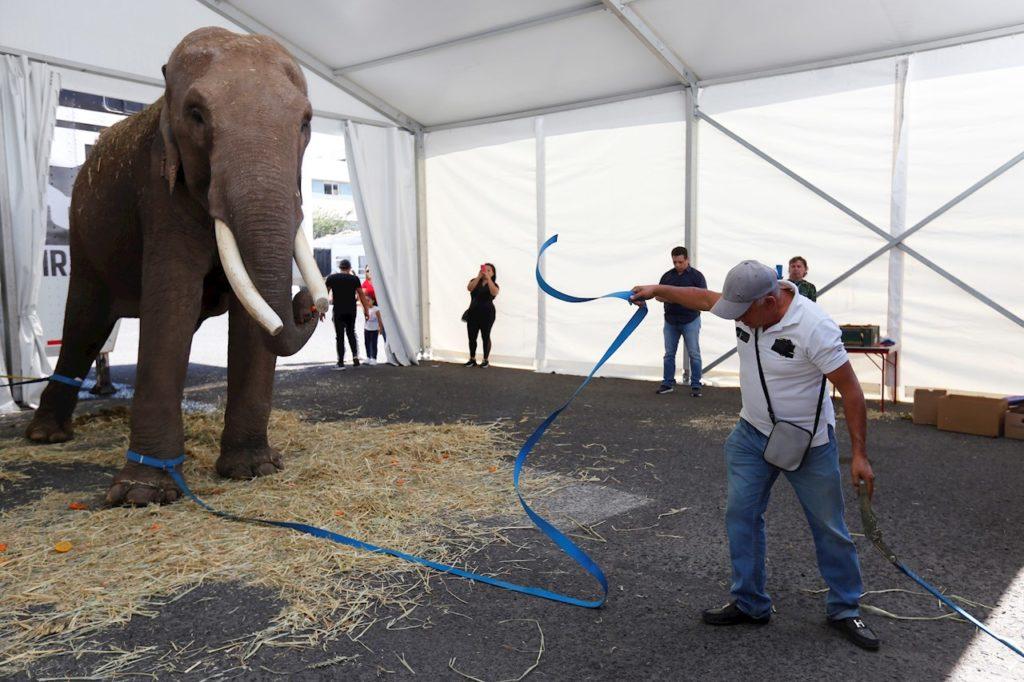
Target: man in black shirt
680	321
344	287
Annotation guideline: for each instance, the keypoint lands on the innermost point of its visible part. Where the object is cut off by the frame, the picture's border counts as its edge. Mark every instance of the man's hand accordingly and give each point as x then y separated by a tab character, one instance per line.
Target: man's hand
860	470
642	293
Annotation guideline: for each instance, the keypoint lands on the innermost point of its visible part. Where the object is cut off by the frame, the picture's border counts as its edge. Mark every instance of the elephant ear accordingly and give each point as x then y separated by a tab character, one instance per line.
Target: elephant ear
172	160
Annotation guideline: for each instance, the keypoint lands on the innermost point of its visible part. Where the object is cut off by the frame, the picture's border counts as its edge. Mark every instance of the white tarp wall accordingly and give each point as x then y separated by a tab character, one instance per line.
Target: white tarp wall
614	187
967	118
29	93
482	207
612	181
833	128
381	165
626	159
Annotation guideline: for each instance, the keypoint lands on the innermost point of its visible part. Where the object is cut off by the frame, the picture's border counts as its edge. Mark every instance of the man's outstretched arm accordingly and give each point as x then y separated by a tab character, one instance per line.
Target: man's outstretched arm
693	298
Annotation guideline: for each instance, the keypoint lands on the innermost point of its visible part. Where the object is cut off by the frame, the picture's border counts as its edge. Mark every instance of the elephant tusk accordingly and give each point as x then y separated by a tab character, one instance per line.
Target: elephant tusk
241	284
310	272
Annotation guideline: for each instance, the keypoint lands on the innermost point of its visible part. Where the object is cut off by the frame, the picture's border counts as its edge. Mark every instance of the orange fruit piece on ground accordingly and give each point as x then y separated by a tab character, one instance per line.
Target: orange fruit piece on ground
63	546
3	547
78	506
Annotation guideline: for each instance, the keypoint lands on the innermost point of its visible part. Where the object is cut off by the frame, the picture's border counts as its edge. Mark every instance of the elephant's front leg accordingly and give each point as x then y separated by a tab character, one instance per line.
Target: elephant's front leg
244	450
171	300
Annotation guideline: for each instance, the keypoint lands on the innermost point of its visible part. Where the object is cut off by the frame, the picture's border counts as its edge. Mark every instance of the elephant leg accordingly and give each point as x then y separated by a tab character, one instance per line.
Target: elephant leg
170	305
244	450
88	321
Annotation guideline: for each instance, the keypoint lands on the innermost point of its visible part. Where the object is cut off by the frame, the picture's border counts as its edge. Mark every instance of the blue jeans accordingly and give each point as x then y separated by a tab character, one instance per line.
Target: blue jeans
690	331
819	487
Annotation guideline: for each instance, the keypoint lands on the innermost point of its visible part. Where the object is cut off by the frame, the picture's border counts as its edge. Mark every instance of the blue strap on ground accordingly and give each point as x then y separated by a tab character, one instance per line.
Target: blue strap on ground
948	602
559	538
59	378
871	530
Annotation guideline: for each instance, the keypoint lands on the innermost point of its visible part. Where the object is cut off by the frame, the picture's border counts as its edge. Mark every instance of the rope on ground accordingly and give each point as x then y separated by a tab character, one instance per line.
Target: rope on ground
878	611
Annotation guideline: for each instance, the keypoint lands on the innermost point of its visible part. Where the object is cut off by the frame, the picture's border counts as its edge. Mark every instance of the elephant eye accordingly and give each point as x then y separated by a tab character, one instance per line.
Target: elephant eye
196	115
305	126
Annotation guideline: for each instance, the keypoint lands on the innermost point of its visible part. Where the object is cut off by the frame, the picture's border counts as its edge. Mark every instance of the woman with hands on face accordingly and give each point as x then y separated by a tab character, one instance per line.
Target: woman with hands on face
481	313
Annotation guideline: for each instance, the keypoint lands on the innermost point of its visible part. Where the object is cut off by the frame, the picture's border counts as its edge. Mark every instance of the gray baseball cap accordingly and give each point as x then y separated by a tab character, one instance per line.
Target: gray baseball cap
744	284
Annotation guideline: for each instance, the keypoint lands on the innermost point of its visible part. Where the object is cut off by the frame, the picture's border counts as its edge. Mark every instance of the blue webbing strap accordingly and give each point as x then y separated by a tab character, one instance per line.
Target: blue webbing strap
945	600
77	383
559	538
873	533
59	378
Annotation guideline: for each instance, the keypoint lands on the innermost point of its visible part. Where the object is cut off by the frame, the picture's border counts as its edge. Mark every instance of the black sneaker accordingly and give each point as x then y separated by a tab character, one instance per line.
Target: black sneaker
471	363
730	614
485	364
857	632
695	392
662	390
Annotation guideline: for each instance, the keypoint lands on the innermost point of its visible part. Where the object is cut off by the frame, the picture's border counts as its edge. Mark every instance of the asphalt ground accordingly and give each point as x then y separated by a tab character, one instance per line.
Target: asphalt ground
949	504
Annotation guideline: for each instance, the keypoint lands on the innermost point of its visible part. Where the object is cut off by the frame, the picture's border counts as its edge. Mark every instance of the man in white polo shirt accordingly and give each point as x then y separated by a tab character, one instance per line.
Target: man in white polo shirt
797	344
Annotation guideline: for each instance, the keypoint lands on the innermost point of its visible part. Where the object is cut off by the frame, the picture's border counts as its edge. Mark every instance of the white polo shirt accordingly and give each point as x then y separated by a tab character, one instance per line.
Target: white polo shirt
805	344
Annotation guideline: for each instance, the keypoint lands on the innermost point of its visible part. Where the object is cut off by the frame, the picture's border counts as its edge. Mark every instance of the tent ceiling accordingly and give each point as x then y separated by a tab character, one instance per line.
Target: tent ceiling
431	63
728	39
477	63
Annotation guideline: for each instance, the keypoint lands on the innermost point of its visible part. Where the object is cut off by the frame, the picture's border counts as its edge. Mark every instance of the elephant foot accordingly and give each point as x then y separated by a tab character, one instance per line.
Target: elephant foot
138	485
46	428
247	463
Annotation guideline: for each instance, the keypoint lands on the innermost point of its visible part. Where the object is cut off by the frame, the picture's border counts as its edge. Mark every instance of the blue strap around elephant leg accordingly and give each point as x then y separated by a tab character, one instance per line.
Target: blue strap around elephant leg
156	462
559	538
60	378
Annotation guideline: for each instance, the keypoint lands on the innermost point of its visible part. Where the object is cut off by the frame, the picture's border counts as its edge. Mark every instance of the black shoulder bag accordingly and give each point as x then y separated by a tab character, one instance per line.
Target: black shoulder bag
788	443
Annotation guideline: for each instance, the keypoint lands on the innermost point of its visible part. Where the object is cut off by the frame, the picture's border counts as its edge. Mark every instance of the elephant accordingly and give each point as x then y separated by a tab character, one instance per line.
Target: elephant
190	209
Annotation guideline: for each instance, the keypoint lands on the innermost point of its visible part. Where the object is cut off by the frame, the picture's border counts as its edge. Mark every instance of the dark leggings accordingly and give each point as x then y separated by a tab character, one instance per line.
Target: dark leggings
345	325
370	341
480	324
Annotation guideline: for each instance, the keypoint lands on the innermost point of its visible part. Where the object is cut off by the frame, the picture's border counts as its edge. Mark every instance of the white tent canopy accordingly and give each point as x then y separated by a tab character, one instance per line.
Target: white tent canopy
834	130
447	61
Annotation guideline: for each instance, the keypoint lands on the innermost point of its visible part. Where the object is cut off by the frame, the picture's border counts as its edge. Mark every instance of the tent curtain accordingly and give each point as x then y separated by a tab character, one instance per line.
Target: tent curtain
381	166
29	94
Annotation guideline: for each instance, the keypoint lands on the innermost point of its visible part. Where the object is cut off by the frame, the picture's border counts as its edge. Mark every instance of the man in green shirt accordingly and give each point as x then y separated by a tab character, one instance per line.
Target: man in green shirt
797	271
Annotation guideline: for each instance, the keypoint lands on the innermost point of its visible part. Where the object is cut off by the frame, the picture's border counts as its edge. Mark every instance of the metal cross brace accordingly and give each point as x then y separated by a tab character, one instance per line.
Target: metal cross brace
891	242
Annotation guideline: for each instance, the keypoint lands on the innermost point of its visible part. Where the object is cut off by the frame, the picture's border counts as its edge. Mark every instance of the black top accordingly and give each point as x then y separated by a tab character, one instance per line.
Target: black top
690	277
343	287
481	300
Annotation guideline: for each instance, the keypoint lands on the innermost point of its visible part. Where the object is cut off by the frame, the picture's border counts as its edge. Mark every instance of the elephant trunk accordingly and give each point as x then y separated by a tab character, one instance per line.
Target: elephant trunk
256	245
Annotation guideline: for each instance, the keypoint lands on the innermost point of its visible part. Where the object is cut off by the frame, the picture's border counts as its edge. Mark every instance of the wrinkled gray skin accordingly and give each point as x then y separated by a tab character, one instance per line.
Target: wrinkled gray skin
225	141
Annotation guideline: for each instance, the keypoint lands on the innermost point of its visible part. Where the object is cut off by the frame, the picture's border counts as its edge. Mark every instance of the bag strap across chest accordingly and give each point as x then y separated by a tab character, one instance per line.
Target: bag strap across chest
764	385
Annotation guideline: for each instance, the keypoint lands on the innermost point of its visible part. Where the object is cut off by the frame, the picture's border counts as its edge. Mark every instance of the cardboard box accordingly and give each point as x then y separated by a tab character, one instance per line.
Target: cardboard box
1013	425
972	414
926	405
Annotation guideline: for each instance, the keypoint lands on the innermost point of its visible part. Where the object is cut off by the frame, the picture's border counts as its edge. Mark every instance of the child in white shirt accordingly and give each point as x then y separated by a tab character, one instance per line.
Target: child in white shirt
372	329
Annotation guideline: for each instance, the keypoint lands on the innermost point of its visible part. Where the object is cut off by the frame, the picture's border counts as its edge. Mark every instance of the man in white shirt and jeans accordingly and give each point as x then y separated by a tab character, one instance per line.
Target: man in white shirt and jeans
798	343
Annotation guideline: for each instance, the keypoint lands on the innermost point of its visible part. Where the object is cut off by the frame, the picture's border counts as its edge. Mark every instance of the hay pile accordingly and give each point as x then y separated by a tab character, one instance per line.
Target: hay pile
418	488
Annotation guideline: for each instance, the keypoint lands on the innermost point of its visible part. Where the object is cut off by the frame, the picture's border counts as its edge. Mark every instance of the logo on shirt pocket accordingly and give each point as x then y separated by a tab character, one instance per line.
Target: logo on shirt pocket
784	347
